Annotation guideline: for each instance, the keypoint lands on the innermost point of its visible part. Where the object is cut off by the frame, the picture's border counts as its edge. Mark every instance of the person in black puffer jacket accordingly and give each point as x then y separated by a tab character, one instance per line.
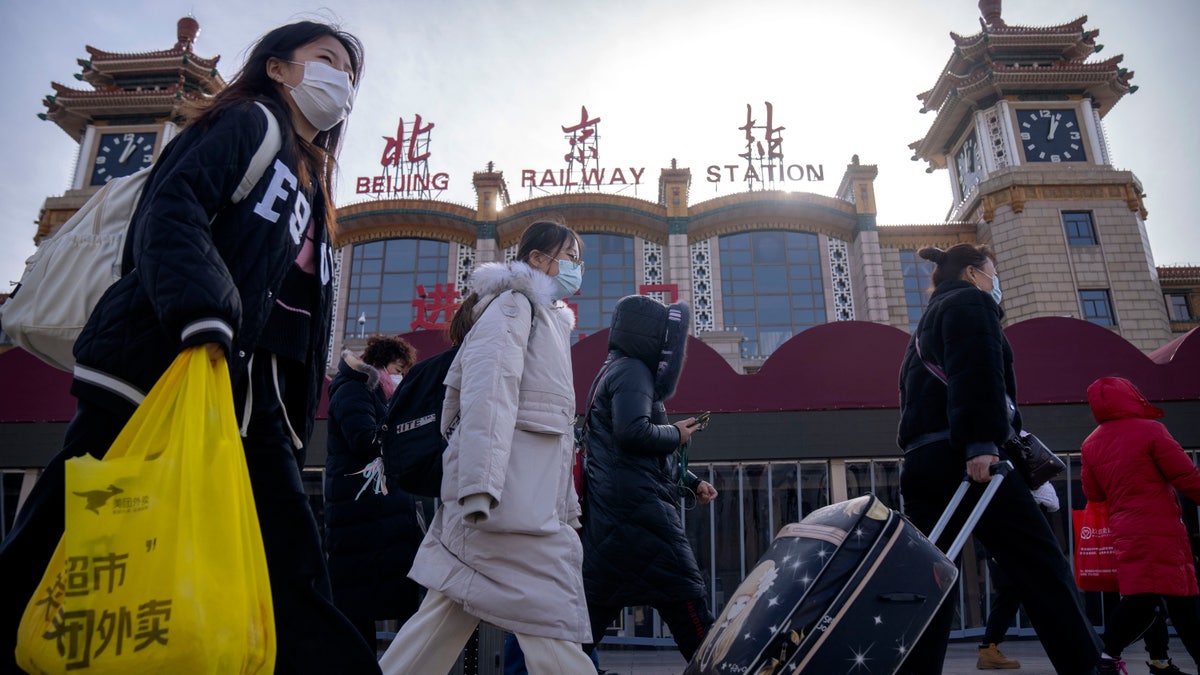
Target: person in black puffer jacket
370	537
251	281
960	425
635	550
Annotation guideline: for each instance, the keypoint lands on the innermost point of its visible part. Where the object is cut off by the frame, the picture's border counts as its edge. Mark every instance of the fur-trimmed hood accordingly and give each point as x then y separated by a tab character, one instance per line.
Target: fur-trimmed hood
492	279
353	367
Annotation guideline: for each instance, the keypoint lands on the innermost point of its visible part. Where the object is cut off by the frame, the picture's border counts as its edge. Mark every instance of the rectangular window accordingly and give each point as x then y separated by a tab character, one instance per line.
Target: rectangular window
1079	228
609	260
1097	307
918	285
1177	307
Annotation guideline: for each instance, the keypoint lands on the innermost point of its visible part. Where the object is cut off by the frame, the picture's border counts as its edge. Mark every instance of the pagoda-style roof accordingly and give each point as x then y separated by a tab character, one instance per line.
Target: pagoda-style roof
142	87
107	69
73	110
1016	60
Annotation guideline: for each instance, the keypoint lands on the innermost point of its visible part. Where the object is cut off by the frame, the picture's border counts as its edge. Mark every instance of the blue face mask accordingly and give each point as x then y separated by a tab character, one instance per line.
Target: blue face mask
569	278
995	292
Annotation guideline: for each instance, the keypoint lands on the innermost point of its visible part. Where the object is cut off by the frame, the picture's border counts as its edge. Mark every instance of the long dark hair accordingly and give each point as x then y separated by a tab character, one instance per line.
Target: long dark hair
546	236
951	263
253	82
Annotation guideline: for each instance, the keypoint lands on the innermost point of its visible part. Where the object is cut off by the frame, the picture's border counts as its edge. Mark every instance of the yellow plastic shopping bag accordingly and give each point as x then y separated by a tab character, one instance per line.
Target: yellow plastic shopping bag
161	568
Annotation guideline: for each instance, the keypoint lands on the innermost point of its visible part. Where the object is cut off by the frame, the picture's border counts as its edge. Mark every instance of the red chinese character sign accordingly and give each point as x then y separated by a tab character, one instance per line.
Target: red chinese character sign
756	153
405	162
582	170
584	141
763	164
664	293
771	134
418	144
442	302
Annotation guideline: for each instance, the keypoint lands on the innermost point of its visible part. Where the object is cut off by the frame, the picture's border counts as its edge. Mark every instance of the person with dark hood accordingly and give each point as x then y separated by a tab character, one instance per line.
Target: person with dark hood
635	550
371	529
1131	462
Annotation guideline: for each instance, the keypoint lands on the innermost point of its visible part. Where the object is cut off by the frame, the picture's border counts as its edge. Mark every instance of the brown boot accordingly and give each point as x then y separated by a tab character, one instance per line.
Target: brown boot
991	658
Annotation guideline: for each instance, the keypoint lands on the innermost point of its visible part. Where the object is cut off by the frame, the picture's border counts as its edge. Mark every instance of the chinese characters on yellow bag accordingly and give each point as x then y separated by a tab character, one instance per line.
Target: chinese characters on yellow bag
161	567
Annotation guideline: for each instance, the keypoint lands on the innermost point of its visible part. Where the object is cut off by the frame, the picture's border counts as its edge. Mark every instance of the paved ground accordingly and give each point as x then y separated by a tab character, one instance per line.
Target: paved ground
960	659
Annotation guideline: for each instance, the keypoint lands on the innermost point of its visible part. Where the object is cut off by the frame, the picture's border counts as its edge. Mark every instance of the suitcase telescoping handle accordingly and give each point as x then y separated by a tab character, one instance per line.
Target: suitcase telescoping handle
1000	471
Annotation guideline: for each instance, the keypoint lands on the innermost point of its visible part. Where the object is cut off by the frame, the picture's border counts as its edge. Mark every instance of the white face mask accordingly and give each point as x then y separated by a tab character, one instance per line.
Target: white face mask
324	96
396	378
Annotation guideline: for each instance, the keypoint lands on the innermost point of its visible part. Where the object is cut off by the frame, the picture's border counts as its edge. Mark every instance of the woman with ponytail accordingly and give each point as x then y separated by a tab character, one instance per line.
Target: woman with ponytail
957	410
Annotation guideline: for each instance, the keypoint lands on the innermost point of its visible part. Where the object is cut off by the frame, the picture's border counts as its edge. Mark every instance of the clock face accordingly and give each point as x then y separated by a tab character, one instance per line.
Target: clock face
1051	135
120	154
968	165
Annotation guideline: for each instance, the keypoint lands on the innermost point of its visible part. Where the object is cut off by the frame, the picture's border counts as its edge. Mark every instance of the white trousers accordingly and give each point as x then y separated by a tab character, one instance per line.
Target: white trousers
431	640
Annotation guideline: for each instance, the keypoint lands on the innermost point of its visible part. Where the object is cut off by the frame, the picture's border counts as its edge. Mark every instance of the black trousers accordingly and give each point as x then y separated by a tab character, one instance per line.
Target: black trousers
689	622
311	635
1020	540
1005	604
1156	638
1137	613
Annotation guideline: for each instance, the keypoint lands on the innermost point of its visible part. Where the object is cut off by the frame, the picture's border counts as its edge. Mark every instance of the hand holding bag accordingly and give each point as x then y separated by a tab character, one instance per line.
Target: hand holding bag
161	568
1095	552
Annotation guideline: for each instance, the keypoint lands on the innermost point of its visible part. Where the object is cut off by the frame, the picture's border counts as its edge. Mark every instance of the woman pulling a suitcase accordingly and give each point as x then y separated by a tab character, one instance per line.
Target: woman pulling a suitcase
946	428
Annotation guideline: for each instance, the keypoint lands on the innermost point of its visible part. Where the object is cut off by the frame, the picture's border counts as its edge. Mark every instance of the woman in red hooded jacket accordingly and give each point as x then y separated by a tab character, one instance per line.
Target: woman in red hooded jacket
1133	463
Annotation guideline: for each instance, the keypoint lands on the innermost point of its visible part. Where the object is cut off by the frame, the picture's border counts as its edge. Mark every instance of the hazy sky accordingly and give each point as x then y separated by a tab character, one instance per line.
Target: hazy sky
668	79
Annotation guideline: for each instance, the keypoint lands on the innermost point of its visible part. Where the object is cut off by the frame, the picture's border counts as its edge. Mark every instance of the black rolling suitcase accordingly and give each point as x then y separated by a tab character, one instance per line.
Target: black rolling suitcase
849	589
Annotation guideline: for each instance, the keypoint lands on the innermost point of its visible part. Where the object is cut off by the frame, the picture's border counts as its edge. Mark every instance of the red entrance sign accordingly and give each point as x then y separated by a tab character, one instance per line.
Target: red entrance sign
443	301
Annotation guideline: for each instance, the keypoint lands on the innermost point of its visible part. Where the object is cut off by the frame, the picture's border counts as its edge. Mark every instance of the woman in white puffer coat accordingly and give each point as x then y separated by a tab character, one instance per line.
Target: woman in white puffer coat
502	546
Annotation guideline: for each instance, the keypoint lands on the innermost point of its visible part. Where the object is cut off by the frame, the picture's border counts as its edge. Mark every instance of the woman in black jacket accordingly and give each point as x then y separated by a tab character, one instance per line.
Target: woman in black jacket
250	279
960	426
370	537
635	550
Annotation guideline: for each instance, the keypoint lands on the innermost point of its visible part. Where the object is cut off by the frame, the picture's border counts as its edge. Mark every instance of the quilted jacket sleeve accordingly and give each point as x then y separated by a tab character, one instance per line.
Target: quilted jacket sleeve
185	277
632	388
1171	460
353	408
493	360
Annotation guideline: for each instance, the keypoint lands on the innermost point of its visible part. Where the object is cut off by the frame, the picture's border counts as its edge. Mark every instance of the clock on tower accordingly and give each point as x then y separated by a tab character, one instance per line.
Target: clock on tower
967	165
127	115
1050	135
121	153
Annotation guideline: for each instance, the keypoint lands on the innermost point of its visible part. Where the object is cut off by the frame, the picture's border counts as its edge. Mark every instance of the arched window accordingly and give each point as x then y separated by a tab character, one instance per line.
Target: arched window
383	281
771	287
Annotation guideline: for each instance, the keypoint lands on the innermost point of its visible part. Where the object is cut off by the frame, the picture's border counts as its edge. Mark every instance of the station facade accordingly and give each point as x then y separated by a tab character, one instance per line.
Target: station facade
802	303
